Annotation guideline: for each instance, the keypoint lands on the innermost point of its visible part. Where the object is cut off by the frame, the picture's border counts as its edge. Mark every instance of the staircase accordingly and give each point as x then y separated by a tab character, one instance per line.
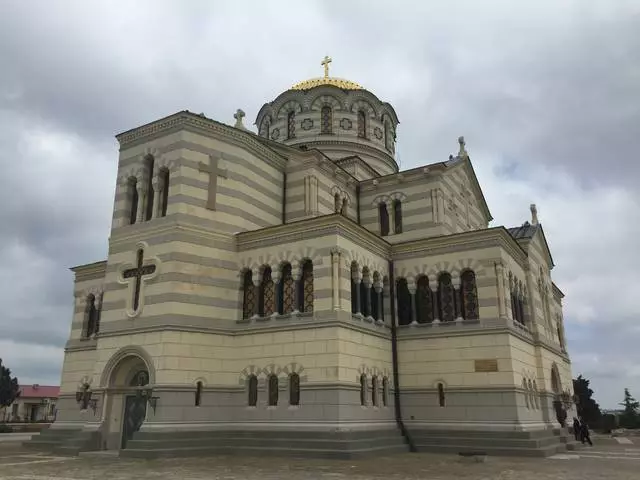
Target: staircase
64	441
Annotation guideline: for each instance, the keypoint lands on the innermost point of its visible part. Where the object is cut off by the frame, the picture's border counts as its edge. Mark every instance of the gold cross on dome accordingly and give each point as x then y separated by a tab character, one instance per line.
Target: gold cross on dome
325	63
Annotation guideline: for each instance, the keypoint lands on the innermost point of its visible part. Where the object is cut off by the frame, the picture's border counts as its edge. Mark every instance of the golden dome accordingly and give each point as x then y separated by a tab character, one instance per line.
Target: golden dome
326	80
336	82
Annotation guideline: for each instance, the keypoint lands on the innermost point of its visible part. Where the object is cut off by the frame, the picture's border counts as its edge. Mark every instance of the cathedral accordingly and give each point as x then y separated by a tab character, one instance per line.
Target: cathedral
290	291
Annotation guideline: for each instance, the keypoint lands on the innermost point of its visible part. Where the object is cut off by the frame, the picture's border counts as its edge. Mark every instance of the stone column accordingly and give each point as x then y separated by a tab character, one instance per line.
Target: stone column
142	201
275	276
256	278
335	278
392	217
414	308
433	286
500	286
295	273
157	192
509	297
380	292
457	297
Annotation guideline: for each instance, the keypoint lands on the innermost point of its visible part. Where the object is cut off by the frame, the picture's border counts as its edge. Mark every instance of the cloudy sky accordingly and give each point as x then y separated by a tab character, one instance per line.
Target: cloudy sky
547	95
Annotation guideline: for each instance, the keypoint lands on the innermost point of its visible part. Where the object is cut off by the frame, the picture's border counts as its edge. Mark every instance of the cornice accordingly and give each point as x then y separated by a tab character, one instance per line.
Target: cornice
89	271
348	145
356	160
186	120
326	224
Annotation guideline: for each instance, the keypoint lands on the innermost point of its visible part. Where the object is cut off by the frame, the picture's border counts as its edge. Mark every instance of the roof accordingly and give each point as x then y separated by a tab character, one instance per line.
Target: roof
526	230
39	391
319	81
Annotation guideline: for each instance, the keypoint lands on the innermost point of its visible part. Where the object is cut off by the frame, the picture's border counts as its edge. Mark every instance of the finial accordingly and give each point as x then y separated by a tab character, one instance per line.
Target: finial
325	63
534	214
463	152
239	115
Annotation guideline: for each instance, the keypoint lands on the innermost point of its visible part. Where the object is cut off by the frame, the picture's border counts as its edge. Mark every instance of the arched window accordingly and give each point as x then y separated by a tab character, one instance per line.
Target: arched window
365	286
387	136
441	398
150	193
535	395
266	130
362	124
525	388
249	295
164	181
291	124
91	319
363	389
445	298
133	199
521	308
326	120
384	219
198	399
253	390
294	389
267	294
374	391
345	207
424	303
385	391
375	297
337	203
273	390
397	216
306	299
469	294
287	290
355	304
404	302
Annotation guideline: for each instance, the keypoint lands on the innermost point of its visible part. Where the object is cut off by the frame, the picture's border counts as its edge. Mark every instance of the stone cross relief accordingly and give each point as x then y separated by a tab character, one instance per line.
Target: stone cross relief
138	273
214	172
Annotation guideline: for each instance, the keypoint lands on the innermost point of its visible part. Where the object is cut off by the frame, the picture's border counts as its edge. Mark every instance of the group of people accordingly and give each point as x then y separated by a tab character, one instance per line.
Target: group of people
581	431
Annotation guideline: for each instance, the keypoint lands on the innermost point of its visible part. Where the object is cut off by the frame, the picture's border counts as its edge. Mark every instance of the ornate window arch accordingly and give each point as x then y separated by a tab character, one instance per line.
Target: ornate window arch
294	389
291	124
469	295
355	304
404	302
248	295
267	294
306	286
362	123
365	307
385	391
363	390
424	300
383	215
326	120
132	195
374	391
446	301
273	390
397	215
91	317
149	161
252	384
287	290
164	178
525	387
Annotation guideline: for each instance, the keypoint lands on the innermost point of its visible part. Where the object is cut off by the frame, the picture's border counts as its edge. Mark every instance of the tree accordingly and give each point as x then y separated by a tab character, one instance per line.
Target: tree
630	418
587	407
9	388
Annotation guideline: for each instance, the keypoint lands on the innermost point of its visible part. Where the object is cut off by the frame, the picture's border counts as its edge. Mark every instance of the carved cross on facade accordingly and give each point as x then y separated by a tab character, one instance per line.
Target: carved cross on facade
214	172
138	274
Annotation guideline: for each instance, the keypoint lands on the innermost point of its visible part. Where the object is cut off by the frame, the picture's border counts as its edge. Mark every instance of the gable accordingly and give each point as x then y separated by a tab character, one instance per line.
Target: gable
466	184
532	237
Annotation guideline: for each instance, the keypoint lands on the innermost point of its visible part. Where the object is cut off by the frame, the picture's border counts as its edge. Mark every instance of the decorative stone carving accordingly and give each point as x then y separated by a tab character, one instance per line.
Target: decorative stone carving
346	124
377	132
307	124
275	134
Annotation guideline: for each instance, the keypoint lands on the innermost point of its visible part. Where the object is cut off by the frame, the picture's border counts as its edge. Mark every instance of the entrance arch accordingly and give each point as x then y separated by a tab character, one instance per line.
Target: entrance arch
123	378
556	383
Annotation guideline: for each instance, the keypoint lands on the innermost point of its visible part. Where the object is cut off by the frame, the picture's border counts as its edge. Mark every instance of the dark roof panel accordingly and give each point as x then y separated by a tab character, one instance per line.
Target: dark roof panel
526	230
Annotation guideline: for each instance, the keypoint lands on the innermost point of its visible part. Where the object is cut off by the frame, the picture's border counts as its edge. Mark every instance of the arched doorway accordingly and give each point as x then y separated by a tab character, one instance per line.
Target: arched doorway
556	388
556	384
126	378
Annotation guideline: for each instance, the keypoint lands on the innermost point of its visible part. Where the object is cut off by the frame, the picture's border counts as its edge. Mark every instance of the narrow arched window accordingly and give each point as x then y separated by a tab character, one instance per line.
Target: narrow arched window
198	398
294	389
441	398
306	299
150	193
374	391
365	290
253	390
469	294
536	399
345	207
397	216
133	200
287	290
521	308
375	296
424	303
384	219
249	295
385	391
525	389
291	124
445	298
337	203
164	200
267	294
326	120
266	129
91	317
273	390
355	293
404	302
362	124
363	389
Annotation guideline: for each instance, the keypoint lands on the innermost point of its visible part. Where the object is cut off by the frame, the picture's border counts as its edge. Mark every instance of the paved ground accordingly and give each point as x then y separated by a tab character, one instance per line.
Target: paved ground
610	462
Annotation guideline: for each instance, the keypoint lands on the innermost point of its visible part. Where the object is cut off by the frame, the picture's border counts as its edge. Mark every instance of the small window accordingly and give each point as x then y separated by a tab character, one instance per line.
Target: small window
385	391
198	394
362	124
363	389
165	192
397	216
291	124
253	391
273	390
384	219
326	120
294	389
133	196
441	399
374	391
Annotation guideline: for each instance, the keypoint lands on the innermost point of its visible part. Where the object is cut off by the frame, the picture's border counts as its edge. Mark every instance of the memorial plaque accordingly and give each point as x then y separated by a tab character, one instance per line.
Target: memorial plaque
488	365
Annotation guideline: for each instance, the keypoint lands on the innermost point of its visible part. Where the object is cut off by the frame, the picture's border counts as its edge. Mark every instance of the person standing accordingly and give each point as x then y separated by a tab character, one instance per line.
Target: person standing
584	432
576	428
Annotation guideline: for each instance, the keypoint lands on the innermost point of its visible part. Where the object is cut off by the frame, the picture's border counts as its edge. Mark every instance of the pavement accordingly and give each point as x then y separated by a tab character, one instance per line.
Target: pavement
610	462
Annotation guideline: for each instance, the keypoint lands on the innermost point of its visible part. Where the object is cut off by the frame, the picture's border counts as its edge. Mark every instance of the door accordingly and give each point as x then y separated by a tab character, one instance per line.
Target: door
135	410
